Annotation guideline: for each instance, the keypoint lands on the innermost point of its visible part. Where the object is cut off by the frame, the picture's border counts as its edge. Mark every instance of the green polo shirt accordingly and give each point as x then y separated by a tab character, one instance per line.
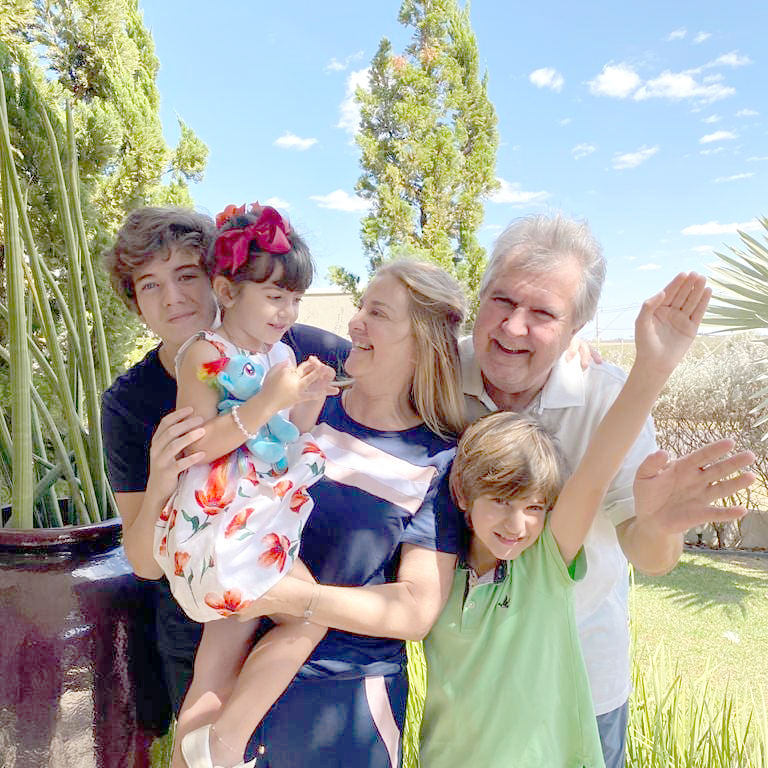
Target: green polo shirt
506	682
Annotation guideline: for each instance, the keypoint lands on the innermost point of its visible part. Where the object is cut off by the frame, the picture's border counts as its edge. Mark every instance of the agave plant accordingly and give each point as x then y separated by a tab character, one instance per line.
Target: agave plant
741	299
56	352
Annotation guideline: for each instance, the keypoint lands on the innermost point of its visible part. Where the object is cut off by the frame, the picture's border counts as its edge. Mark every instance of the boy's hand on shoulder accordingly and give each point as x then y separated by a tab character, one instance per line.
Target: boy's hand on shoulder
668	322
673	495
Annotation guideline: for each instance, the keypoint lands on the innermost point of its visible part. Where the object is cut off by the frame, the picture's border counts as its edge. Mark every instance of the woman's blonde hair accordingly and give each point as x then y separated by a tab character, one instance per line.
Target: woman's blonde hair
437	309
505	455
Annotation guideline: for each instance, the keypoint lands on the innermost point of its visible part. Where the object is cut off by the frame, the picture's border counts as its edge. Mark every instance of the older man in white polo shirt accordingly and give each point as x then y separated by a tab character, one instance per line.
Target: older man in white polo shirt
541	286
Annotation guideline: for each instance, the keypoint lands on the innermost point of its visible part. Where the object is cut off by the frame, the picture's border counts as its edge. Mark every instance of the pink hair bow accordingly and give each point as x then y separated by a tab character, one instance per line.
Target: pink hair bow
270	232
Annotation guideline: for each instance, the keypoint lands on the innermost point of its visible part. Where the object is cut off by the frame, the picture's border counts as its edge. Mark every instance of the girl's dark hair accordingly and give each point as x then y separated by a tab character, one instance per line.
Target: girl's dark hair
297	263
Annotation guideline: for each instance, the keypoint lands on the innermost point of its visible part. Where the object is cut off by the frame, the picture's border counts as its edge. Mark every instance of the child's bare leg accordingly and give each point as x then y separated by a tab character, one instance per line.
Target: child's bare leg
223	648
266	673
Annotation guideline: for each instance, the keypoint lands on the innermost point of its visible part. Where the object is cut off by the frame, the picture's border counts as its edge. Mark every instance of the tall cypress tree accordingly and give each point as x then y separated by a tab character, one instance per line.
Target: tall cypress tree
428	140
97	56
103	60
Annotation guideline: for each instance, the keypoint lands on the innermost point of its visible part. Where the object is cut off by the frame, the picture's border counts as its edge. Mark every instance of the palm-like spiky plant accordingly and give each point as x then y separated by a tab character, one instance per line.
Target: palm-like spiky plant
740	301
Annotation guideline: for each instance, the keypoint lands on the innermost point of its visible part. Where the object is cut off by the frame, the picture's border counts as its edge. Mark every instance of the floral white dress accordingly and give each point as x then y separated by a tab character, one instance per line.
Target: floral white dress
232	528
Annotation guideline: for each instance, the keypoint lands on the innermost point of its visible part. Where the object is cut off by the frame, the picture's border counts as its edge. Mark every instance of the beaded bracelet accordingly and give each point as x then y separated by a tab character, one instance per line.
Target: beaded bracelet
236	419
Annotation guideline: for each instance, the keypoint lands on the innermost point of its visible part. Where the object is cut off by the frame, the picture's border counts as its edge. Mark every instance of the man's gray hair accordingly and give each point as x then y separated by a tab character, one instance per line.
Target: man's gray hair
538	243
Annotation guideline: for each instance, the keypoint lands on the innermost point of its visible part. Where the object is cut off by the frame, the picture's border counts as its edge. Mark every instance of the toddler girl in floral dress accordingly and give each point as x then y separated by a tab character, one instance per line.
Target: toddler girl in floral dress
232	528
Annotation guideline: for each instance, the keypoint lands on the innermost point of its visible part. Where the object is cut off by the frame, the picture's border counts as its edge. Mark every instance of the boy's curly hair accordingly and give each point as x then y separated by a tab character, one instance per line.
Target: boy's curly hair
150	232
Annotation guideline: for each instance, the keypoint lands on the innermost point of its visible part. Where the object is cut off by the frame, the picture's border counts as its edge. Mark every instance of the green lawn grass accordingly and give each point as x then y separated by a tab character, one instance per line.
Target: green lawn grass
709	614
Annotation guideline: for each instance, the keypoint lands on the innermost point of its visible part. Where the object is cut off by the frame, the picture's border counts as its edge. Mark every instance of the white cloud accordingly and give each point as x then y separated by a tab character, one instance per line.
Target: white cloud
716	228
712	119
712	151
277	202
701	37
632	159
677	86
547	77
718	136
511	193
747	113
617	81
677	34
735	177
582	150
290	141
707	249
349	112
339	200
334	65
732	59
757	159
646	267
621	81
566	121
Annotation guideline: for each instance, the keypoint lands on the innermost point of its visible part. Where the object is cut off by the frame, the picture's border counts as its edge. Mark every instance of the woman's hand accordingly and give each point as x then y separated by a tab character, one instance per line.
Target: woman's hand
584	351
176	431
289	596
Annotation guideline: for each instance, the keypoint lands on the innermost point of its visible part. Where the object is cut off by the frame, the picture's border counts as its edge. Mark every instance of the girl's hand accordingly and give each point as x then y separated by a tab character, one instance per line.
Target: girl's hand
176	431
668	322
286	385
321	386
305	413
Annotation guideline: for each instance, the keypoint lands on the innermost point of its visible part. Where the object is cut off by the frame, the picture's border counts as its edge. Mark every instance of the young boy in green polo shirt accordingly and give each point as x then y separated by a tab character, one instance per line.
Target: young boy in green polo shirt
506	682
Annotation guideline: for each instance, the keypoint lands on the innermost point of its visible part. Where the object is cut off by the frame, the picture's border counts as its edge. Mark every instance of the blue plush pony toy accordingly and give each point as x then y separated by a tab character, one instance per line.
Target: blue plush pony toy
240	379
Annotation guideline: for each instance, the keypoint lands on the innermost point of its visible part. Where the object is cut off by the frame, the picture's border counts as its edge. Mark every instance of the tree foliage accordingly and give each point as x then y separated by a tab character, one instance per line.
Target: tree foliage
428	140
96	56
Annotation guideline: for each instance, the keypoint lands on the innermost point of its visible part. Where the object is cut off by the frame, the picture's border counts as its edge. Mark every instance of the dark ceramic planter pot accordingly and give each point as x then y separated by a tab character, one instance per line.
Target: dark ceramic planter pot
73	651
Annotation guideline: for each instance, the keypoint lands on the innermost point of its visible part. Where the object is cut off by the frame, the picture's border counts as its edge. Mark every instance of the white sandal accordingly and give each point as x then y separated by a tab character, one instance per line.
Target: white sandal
196	750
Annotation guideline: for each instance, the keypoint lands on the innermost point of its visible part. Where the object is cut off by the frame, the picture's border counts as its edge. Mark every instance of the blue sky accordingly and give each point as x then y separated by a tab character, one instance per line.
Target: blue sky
649	119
